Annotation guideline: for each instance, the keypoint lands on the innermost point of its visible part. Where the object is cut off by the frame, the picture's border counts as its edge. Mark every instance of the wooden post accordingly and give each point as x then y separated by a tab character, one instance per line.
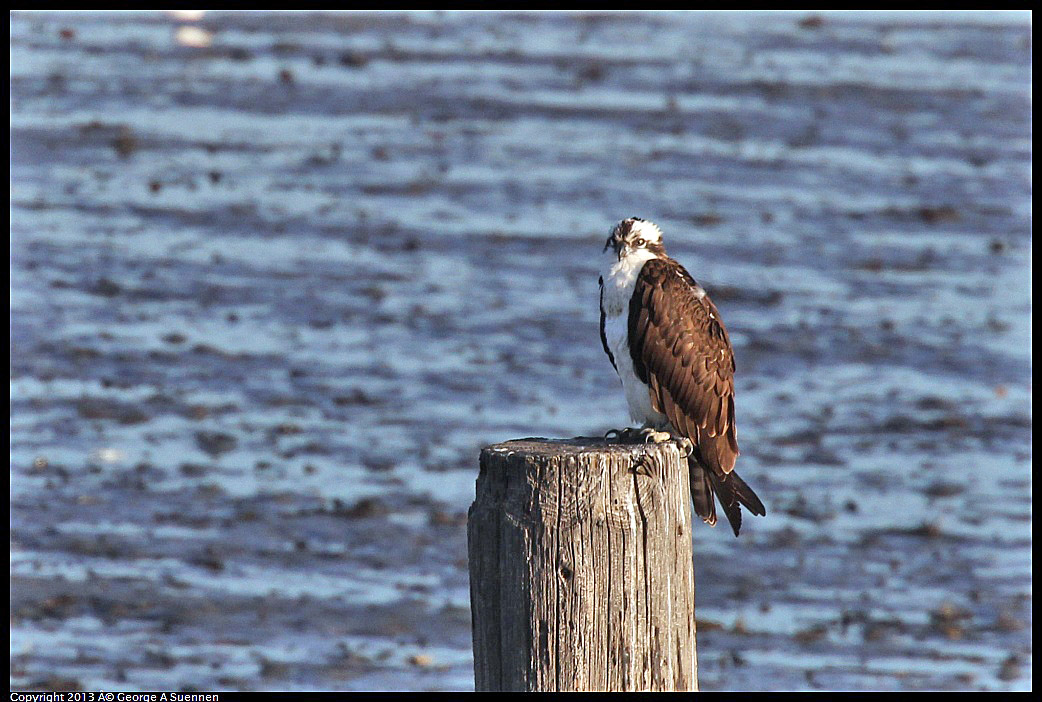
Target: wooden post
581	575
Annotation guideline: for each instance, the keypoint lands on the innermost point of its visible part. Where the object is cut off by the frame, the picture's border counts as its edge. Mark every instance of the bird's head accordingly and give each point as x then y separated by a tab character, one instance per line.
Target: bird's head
636	236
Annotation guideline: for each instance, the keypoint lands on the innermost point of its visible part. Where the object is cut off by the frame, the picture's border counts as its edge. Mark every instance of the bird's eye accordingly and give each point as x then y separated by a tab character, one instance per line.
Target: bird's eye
640	242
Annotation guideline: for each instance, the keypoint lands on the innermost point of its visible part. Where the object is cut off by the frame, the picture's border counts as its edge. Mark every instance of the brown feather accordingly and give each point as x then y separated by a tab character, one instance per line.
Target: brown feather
680	348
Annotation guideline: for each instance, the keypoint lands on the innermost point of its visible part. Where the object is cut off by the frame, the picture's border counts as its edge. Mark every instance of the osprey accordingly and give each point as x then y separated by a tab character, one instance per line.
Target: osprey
669	346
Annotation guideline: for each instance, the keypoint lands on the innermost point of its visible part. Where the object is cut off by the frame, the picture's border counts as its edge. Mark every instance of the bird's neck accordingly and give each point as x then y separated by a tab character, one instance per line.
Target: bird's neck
620	277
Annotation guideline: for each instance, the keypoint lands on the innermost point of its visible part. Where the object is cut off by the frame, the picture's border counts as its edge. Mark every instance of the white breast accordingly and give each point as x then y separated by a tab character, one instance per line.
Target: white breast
619	278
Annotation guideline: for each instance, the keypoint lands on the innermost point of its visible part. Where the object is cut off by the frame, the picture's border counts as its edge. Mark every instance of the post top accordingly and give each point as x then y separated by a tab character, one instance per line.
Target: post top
541	446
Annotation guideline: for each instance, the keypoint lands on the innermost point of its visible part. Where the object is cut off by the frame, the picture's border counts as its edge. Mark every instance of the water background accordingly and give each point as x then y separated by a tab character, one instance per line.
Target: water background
270	296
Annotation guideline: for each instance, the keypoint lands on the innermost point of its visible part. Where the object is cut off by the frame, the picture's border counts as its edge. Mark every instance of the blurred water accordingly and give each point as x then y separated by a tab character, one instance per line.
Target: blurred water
271	295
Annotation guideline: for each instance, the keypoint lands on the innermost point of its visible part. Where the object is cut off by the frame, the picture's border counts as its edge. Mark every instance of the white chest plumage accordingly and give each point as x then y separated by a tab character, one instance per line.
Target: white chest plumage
618	280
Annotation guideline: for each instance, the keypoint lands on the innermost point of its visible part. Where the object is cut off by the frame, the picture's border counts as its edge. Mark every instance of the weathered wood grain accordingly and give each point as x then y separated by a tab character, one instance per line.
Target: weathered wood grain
581	568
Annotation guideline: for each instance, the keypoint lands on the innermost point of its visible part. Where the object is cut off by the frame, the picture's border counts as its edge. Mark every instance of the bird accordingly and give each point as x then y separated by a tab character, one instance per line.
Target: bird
668	344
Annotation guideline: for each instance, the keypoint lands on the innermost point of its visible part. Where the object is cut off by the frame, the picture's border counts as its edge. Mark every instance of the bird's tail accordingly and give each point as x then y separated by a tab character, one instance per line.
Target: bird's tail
729	489
702	493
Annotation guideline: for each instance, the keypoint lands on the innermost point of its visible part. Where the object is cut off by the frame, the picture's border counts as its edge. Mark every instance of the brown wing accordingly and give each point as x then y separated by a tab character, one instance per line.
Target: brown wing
681	350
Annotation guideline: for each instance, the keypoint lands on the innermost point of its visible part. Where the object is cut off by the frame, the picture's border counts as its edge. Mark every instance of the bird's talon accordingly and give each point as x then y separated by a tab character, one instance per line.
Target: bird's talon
655	437
622	436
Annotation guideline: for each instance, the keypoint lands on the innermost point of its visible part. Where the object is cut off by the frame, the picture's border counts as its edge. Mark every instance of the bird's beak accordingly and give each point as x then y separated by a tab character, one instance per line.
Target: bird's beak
614	242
